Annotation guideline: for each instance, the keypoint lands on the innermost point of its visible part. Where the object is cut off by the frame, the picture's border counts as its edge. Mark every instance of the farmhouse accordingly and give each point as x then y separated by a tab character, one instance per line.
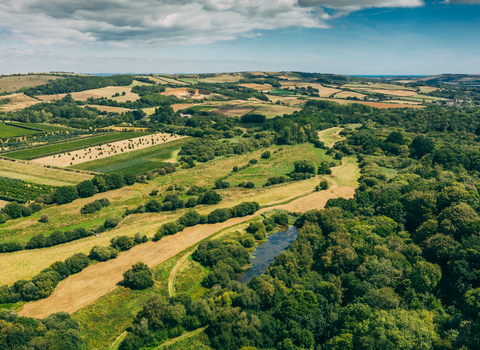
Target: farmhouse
185	115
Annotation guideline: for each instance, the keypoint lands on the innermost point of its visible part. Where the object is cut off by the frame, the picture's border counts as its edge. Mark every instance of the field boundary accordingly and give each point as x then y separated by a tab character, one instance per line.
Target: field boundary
171	278
24	127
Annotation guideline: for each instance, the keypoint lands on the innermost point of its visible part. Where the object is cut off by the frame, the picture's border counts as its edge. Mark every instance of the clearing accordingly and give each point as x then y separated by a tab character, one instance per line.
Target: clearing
3	203
107	92
40	174
106	150
345	94
14	82
330	136
17	101
259	87
322	90
185	93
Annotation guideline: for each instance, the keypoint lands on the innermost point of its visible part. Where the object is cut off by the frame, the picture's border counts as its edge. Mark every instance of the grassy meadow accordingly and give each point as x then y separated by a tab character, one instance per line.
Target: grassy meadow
7	131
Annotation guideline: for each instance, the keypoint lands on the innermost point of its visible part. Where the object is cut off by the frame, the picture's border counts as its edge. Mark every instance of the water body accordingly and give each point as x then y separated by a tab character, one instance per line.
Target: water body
267	252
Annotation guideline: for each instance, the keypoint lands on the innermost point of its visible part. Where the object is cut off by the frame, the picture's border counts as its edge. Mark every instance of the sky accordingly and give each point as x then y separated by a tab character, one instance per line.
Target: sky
364	37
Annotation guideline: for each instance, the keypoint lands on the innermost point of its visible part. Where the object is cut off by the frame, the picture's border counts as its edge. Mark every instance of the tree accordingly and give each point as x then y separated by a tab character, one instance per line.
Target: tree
138	277
122	243
65	194
210	197
44	218
112	221
421	146
102	253
425	276
35	242
77	262
304	166
14	210
86	189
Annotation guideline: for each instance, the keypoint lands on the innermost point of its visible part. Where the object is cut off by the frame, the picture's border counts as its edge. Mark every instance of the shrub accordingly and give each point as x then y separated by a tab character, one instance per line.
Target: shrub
138	277
190	218
26	211
14	210
255	227
280	218
153	206
322	186
44	218
249	184
112	222
304	166
191	202
219	215
12	246
139	238
102	253
35	242
247	241
210	197
77	262
55	238
222	184
122	243
130	179
169	228
266	155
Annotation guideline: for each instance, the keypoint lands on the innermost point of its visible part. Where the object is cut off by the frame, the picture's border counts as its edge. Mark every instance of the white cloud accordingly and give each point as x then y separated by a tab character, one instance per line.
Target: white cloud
468	2
124	23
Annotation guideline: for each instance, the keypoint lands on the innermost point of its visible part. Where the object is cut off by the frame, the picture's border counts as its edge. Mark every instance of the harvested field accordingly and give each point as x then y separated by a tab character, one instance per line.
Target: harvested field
106	92
427	89
179	106
231	111
185	93
222	78
167	80
106	150
83	142
390	92
345	94
381	105
292	100
259	87
13	83
271	111
3	203
40	174
137	162
17	101
322	90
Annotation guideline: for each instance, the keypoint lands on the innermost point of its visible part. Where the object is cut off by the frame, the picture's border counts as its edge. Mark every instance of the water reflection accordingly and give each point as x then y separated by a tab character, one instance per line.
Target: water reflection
267	252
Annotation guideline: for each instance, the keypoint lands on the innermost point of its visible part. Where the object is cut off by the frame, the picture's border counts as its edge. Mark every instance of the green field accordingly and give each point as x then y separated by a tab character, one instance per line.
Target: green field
45	127
135	162
12	131
281	92
41	151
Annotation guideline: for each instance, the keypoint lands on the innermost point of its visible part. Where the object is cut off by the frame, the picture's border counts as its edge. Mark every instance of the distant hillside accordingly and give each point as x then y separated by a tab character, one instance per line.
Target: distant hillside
456	79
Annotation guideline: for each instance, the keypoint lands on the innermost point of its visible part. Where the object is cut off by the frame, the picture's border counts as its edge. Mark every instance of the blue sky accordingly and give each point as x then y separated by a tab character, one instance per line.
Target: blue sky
201	36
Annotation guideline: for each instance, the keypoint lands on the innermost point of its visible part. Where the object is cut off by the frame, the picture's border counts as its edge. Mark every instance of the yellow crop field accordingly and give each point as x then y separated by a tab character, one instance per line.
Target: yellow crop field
106	92
15	82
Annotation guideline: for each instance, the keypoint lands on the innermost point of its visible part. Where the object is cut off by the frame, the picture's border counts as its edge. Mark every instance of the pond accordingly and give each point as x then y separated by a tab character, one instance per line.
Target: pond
267	252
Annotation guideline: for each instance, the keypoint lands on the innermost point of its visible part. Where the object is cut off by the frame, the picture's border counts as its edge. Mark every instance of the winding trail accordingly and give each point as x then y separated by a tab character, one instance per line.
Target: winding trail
171	278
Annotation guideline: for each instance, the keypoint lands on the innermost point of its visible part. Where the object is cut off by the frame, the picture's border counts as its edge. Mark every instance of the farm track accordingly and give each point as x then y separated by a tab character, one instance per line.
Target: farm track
171	278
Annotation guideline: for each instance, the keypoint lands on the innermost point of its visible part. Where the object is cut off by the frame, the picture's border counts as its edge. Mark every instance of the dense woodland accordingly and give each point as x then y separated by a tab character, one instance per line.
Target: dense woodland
396	267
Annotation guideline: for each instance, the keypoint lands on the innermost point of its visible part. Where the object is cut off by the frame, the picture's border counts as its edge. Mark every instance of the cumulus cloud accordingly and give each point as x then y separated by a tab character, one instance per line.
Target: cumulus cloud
124	22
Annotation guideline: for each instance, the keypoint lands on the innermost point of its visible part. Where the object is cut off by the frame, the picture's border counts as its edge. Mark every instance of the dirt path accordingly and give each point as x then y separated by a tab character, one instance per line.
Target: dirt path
171	278
183	336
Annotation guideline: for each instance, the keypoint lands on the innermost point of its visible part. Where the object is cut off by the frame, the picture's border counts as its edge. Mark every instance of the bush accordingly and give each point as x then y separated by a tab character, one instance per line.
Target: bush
219	215
249	184
266	155
169	228
55	238
191	202
44	218
35	242
190	218
130	179
247	241
322	186
77	262
26	211
253	118
139	238
222	184
138	277
94	206
210	197
14	210
102	253
112	222
280	218
12	246
122	243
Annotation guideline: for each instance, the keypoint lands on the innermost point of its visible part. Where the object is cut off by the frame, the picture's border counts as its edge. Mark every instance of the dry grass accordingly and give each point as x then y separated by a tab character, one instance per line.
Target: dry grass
381	105
106	150
231	111
17	101
185	93
40	174
13	83
271	111
3	204
291	100
427	89
106	92
167	80
259	87
222	78
345	94
323	91
399	92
